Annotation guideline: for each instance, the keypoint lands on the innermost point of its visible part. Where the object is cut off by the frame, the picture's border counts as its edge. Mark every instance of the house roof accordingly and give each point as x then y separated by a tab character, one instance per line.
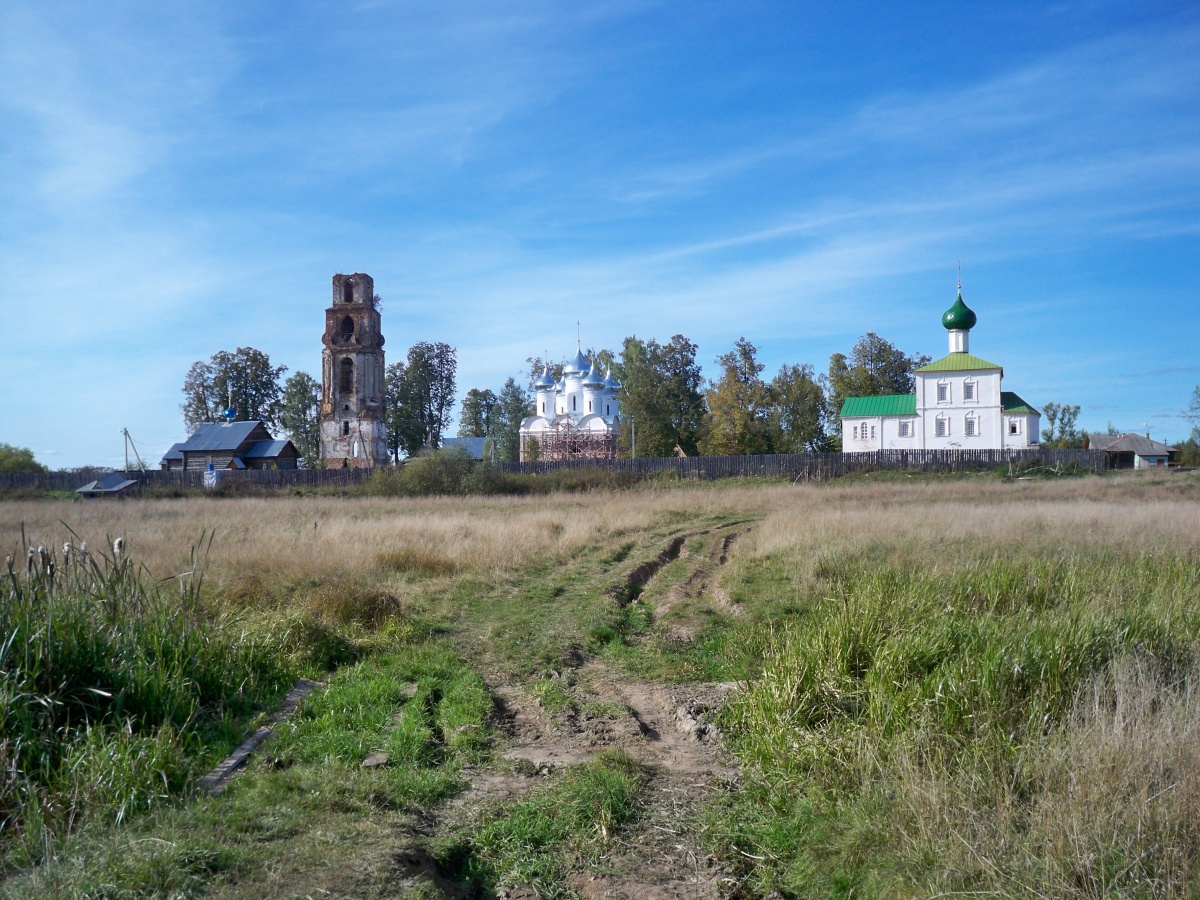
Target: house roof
266	449
959	362
887	405
1011	403
175	452
218	436
1135	443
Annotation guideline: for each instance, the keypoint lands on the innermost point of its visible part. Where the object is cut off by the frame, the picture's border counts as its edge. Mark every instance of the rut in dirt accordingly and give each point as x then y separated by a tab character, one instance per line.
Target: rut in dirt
667	728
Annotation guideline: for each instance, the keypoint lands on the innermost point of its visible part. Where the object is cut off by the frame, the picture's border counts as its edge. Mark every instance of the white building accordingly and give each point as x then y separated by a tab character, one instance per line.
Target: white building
575	418
958	404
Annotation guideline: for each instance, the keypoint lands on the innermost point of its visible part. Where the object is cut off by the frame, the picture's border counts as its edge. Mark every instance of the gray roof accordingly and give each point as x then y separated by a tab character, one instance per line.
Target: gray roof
175	452
1138	444
266	449
218	436
546	380
112	483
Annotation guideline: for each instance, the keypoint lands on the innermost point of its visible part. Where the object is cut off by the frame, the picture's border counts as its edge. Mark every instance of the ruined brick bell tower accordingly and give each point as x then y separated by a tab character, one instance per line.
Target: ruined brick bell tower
353	430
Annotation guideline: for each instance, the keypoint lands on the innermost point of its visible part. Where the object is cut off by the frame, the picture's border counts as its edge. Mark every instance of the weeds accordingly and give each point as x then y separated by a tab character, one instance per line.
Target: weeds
110	686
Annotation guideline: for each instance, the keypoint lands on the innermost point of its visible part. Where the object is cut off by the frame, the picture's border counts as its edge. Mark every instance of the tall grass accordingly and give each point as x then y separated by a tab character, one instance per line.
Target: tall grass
989	699
110	687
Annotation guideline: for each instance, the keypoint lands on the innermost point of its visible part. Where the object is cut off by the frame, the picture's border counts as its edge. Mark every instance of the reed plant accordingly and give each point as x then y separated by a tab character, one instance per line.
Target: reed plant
114	688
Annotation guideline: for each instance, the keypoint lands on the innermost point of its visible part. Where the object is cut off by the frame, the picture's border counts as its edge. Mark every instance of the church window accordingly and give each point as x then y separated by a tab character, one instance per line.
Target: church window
574	404
543	407
347	291
905	429
589	406
346	382
872	432
347	328
607	409
942	428
971	426
1014	426
943	392
969	390
345	429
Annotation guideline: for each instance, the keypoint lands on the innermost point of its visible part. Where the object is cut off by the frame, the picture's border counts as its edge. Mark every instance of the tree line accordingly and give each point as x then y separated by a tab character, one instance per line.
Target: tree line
667	406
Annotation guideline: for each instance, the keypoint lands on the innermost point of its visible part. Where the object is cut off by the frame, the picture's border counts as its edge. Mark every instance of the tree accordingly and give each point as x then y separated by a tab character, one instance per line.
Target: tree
244	380
419	397
875	367
512	407
300	416
661	394
18	459
796	415
475	419
737	404
1061	431
1192	413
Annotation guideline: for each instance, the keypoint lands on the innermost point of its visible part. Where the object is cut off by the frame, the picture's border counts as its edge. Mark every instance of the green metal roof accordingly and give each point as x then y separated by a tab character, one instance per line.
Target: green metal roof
958	362
1011	403
959	316
888	405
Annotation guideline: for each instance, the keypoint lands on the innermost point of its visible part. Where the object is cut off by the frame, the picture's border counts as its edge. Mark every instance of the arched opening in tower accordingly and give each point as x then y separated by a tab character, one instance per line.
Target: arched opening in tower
347	328
346	381
347	291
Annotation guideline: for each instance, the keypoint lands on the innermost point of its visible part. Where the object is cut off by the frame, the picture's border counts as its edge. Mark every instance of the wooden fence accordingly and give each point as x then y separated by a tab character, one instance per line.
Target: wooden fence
823	466
796	467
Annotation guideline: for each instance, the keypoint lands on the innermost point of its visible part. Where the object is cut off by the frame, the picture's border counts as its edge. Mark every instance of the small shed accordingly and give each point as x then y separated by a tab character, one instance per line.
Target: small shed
111	485
1132	451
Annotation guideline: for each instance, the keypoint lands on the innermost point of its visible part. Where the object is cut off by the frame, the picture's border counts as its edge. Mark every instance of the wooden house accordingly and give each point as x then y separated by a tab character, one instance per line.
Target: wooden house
231	445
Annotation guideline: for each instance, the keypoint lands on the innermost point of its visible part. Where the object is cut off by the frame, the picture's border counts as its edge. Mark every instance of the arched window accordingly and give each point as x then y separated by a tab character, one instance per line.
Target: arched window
347	291
347	328
346	381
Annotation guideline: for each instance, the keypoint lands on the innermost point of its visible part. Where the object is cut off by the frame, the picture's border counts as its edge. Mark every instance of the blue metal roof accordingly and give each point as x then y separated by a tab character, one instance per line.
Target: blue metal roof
265	449
579	364
219	436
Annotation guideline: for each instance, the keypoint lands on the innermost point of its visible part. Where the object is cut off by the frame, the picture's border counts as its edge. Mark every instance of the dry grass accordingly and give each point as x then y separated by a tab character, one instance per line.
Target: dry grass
260	540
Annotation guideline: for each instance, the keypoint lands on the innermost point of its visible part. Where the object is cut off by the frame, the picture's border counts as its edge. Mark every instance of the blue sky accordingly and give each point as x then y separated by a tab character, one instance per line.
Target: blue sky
183	178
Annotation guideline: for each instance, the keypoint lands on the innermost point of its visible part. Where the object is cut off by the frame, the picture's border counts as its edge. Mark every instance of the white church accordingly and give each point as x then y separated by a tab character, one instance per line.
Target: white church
958	405
575	418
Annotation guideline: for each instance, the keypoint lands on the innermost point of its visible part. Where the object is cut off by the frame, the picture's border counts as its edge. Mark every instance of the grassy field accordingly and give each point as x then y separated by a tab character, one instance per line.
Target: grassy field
910	687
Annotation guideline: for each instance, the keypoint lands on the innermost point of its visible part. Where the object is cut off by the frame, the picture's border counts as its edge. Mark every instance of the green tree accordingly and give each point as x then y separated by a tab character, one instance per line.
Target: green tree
512	407
796	415
18	459
661	394
419	394
1060	428
475	419
875	367
244	379
738	403
300	416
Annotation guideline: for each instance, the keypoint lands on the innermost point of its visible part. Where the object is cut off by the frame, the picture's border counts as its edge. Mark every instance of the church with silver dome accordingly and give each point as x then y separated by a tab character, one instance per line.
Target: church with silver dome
576	417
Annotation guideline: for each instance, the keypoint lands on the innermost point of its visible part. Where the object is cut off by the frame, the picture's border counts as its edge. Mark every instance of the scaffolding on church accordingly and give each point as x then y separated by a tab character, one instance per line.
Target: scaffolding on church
568	442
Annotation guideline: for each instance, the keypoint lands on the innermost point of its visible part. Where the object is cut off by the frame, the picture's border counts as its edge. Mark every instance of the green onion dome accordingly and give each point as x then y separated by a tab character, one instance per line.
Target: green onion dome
959	317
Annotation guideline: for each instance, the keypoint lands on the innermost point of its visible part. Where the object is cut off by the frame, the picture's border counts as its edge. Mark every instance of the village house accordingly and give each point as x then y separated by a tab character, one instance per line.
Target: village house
230	445
958	404
1131	451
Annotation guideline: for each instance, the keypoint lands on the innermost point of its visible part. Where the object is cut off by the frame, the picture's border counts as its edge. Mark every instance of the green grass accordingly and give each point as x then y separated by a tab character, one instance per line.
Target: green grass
535	840
948	691
113	692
